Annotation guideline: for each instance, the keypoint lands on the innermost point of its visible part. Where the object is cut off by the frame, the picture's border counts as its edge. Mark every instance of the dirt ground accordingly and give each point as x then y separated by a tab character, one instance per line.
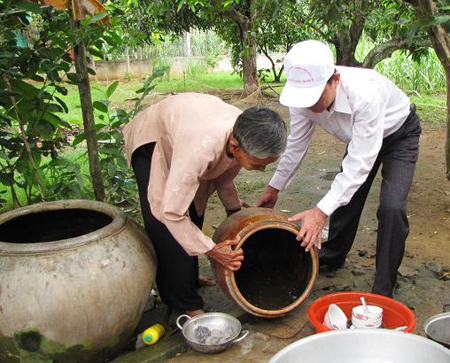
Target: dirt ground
423	284
427	256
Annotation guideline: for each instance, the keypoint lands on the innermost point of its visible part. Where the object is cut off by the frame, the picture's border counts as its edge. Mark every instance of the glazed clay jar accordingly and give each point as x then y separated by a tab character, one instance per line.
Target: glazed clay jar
75	278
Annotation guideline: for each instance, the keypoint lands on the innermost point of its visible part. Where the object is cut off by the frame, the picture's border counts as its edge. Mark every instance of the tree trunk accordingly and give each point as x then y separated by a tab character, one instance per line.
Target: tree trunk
187	44
447	142
87	113
127	53
441	44
276	75
139	52
345	52
249	67
347	40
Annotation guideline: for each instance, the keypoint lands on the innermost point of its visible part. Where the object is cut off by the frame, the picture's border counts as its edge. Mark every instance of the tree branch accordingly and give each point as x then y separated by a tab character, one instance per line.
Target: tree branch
239	18
385	50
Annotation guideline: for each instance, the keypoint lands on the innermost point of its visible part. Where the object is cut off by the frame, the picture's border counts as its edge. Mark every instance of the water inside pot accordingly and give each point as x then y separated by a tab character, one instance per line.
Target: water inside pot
276	269
53	225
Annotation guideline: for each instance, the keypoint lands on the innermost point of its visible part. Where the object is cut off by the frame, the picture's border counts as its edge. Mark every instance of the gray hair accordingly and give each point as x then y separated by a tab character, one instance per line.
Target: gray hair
261	132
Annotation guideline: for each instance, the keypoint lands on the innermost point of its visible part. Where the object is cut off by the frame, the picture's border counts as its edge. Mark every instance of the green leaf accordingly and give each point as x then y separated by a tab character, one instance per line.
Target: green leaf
72	78
107	151
63	104
96	18
52	119
53	107
103	136
79	138
37	78
91	71
62	90
23	88
4	156
111	89
96	52
29	6
100	106
441	19
6	179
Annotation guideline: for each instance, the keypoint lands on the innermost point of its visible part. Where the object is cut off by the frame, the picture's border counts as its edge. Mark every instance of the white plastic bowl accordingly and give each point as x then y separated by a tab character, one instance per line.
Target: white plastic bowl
335	318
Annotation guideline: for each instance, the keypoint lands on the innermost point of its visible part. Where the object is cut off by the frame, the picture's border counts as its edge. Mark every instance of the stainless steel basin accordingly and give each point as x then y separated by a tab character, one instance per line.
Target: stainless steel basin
438	328
363	346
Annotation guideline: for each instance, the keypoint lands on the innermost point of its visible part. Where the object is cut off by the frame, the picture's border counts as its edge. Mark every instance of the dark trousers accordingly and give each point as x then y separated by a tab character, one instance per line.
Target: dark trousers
398	155
177	273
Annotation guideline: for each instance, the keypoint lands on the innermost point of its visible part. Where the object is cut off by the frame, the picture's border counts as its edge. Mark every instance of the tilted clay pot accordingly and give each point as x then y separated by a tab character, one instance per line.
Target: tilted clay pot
277	275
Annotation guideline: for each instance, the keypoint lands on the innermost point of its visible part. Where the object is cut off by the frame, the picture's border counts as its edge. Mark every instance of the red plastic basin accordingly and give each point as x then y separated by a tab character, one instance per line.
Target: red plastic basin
395	313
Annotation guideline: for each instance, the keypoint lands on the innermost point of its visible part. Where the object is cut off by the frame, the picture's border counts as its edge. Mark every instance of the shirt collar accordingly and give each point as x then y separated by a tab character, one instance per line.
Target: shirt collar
341	103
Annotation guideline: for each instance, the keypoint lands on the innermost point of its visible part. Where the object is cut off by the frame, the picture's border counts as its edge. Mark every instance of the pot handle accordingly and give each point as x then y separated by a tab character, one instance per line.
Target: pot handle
179	318
243	334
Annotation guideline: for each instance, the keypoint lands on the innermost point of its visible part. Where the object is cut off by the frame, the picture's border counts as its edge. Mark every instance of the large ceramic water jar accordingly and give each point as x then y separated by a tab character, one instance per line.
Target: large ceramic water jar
277	275
75	276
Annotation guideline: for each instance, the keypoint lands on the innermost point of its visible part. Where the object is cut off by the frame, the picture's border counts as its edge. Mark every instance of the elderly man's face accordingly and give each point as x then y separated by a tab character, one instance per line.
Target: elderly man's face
249	162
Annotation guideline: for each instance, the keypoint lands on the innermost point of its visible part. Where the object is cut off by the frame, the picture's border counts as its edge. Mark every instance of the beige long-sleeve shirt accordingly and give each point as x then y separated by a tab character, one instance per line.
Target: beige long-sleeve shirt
189	161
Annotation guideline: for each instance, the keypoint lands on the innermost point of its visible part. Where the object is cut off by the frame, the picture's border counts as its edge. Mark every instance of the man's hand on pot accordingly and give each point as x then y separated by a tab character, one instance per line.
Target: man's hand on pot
268	198
226	256
313	221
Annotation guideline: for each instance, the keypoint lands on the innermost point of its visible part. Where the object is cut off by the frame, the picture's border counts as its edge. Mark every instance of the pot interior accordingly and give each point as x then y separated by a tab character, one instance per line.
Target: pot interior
52	225
276	270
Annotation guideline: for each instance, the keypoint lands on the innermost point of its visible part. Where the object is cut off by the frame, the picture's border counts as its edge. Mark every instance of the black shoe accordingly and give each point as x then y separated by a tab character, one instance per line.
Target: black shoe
330	265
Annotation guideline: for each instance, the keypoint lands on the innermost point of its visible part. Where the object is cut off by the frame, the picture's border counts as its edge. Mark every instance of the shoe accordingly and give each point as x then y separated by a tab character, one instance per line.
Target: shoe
325	261
330	265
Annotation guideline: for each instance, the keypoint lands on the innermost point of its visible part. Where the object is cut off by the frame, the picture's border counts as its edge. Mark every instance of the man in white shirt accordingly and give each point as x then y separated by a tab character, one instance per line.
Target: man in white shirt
374	117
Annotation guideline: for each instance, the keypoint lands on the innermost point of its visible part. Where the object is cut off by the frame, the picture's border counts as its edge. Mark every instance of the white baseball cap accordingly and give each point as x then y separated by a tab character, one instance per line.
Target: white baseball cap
308	66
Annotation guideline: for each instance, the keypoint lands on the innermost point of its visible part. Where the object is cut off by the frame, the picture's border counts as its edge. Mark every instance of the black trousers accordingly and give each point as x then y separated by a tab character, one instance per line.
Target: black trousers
398	155
177	272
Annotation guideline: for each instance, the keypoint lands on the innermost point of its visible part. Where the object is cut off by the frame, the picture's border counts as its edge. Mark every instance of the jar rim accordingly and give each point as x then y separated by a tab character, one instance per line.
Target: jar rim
118	220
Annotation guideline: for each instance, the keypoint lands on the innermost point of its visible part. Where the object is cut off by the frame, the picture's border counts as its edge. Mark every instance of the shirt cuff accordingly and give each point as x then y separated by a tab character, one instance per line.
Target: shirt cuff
206	245
278	182
328	204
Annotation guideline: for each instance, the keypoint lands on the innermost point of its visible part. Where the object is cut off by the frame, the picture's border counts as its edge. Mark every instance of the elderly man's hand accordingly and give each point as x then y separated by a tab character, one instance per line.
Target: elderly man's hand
268	198
226	256
313	221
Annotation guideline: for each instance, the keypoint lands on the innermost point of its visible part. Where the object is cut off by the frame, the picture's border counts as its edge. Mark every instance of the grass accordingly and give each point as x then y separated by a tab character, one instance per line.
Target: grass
126	91
431	106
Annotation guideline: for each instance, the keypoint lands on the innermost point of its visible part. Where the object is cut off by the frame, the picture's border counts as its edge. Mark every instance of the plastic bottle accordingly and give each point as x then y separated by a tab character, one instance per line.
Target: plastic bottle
151	335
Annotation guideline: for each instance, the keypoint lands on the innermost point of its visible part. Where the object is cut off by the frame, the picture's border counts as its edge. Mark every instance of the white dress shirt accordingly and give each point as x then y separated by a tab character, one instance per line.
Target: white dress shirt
368	107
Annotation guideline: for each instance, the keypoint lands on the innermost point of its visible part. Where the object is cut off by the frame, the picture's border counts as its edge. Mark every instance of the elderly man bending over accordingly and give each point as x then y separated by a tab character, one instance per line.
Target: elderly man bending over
182	149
